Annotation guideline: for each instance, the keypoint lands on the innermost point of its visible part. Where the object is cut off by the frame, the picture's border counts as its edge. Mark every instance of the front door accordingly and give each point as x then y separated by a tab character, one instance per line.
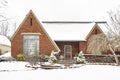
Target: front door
68	52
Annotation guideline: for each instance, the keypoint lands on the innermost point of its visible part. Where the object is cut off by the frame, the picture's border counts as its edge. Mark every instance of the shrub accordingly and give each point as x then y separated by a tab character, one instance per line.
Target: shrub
80	59
20	57
33	59
44	58
53	58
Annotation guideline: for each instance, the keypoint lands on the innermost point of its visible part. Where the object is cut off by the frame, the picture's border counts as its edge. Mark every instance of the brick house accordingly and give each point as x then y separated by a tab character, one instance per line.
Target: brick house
67	38
31	37
72	37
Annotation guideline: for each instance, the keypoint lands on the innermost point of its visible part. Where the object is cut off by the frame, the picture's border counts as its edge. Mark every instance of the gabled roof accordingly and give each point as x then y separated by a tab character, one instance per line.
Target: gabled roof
68	31
103	27
98	27
71	31
41	25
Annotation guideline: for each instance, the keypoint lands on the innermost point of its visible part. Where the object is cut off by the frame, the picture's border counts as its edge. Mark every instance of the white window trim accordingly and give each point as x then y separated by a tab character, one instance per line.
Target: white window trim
30	33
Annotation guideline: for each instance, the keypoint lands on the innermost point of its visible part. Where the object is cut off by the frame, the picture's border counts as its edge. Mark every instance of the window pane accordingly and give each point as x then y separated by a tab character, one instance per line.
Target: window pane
31	44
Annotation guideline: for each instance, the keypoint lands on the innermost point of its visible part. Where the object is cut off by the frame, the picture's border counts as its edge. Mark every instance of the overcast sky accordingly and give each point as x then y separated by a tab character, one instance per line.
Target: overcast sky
62	9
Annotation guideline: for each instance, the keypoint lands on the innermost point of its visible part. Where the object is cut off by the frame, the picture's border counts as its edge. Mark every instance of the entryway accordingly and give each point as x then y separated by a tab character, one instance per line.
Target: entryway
68	52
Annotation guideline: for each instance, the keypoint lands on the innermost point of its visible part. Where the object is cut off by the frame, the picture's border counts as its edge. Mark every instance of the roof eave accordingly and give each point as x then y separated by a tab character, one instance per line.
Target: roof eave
69	40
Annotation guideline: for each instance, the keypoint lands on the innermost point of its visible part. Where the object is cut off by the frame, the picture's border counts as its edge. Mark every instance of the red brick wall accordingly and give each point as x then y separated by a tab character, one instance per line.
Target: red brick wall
46	45
82	46
75	47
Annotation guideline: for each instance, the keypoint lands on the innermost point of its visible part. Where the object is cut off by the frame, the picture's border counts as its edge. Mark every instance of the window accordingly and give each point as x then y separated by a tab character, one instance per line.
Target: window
30	44
30	21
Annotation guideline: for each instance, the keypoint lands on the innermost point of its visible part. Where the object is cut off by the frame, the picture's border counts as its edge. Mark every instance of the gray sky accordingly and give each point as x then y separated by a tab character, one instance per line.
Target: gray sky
51	10
83	10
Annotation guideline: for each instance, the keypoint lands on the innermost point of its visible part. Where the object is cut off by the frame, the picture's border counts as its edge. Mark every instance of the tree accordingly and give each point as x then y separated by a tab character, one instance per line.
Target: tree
97	44
102	43
3	20
109	40
4	29
3	3
33	59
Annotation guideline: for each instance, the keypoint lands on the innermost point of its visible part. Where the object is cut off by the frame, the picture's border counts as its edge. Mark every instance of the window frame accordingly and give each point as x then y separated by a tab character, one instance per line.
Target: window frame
36	42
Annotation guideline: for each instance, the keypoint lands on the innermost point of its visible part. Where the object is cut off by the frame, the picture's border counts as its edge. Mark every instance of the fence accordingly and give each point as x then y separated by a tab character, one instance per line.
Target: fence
91	58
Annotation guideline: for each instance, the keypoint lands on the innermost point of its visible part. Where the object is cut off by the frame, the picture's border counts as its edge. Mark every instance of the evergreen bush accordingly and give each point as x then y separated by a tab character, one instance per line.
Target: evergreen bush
20	57
44	58
80	59
52	58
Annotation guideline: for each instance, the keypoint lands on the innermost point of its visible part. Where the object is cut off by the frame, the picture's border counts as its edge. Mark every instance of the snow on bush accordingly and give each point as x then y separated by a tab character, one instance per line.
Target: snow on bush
80	59
44	58
52	58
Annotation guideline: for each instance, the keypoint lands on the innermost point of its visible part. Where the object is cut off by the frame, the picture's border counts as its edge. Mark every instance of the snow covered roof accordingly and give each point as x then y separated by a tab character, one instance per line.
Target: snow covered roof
4	40
8	54
103	27
68	31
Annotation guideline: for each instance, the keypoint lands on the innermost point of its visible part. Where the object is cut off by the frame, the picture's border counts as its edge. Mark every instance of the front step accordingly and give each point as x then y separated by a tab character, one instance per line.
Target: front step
66	62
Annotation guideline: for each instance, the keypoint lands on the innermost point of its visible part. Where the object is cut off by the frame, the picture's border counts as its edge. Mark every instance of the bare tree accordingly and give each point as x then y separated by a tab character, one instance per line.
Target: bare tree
33	59
7	28
107	41
3	3
4	29
101	43
3	20
97	44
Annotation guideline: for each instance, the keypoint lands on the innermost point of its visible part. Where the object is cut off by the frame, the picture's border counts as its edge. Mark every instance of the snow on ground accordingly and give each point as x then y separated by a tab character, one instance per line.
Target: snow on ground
8	54
86	72
13	66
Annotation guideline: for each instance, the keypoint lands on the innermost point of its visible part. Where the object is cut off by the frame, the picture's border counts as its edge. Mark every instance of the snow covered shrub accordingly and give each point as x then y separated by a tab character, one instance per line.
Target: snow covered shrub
44	58
20	57
53	58
80	59
33	59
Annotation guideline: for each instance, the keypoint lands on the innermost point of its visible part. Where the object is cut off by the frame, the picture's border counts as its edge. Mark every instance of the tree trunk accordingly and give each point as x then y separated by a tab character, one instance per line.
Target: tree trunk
115	56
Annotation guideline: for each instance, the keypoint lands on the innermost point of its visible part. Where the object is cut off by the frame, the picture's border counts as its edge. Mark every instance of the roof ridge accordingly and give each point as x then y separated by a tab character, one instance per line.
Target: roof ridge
74	22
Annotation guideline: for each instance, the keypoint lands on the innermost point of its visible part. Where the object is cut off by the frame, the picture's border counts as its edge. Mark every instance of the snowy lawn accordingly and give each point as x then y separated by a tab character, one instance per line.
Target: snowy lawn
18	71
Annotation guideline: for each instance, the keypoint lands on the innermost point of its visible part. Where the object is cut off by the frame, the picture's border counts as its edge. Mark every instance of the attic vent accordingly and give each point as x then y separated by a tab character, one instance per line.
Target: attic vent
30	21
96	31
